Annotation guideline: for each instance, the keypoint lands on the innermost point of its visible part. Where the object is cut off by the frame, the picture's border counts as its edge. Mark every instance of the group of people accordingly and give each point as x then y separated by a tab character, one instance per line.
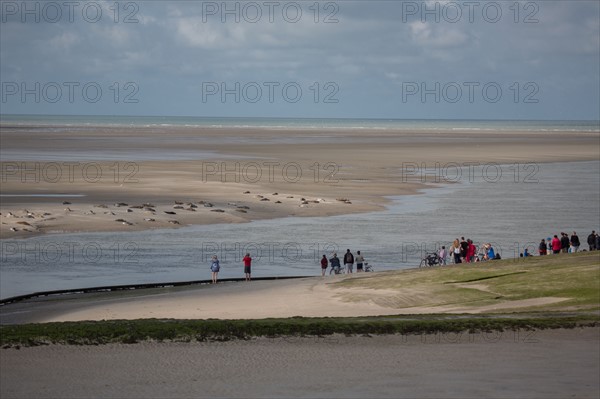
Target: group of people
349	260
566	244
465	251
461	251
215	267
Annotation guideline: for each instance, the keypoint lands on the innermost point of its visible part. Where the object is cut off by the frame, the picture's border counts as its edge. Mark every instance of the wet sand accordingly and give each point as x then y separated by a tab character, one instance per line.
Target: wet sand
135	179
533	364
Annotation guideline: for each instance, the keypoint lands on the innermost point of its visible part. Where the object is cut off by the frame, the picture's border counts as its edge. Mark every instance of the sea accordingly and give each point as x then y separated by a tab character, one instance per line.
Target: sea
512	207
67	122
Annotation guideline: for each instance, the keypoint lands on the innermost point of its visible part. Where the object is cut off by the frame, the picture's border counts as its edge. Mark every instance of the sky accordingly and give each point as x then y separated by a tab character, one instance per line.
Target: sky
535	60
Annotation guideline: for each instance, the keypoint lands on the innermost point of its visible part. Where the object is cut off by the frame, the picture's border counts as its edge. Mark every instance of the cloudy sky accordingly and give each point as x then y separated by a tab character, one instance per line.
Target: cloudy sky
360	59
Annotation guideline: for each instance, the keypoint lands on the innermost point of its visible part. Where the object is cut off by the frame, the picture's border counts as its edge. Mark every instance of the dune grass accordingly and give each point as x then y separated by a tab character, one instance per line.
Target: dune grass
574	277
133	331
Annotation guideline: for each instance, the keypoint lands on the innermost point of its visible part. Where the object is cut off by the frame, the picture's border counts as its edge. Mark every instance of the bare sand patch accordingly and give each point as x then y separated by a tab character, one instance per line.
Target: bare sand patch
523	364
310	297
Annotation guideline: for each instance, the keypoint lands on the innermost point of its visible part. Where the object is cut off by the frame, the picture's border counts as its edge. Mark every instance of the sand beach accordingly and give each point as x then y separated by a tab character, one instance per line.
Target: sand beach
127	179
427	366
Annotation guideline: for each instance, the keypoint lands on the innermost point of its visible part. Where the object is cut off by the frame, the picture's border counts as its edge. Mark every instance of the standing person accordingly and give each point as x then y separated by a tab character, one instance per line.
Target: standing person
214	268
597	241
456	251
575	243
324	264
348	261
335	264
471	249
556	245
443	254
464	245
247	266
591	240
564	242
549	245
359	262
542	248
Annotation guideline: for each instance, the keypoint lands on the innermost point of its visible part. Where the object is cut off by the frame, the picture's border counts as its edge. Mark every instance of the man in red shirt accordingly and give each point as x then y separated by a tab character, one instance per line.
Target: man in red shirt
247	266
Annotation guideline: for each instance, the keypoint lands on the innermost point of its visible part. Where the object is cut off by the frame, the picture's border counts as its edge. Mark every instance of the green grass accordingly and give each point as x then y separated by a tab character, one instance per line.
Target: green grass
572	276
133	331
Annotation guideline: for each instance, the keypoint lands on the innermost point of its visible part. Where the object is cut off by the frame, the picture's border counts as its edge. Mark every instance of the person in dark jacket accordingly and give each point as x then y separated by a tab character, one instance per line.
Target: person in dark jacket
591	240
575	242
335	264
464	246
324	264
564	242
543	248
348	261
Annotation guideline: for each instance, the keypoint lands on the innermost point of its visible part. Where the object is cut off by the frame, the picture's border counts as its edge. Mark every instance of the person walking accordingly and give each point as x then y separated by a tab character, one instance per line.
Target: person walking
348	261
247	266
324	264
214	268
591	240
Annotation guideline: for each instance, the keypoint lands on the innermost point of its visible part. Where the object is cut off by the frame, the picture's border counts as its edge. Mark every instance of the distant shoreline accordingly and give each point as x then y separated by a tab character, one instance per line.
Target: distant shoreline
22	121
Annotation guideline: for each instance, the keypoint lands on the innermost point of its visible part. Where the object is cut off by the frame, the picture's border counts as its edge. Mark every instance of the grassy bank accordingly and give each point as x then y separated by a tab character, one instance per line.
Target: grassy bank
566	282
133	331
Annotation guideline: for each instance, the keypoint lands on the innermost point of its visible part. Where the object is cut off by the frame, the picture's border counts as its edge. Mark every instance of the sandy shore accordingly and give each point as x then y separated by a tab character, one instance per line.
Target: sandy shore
308	297
156	178
534	364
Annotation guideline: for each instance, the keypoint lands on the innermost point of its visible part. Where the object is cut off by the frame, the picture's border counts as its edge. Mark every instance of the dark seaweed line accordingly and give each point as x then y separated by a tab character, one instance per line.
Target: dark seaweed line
110	288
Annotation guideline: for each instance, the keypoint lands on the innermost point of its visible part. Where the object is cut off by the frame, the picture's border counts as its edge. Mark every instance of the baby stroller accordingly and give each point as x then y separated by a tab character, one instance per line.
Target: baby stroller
431	259
368	268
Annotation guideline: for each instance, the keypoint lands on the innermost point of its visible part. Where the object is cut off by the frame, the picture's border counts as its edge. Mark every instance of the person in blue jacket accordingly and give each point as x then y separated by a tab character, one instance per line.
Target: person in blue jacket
490	252
214	268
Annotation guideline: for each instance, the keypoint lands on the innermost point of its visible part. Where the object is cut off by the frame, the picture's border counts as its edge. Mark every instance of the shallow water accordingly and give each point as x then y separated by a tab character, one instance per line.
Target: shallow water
490	204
